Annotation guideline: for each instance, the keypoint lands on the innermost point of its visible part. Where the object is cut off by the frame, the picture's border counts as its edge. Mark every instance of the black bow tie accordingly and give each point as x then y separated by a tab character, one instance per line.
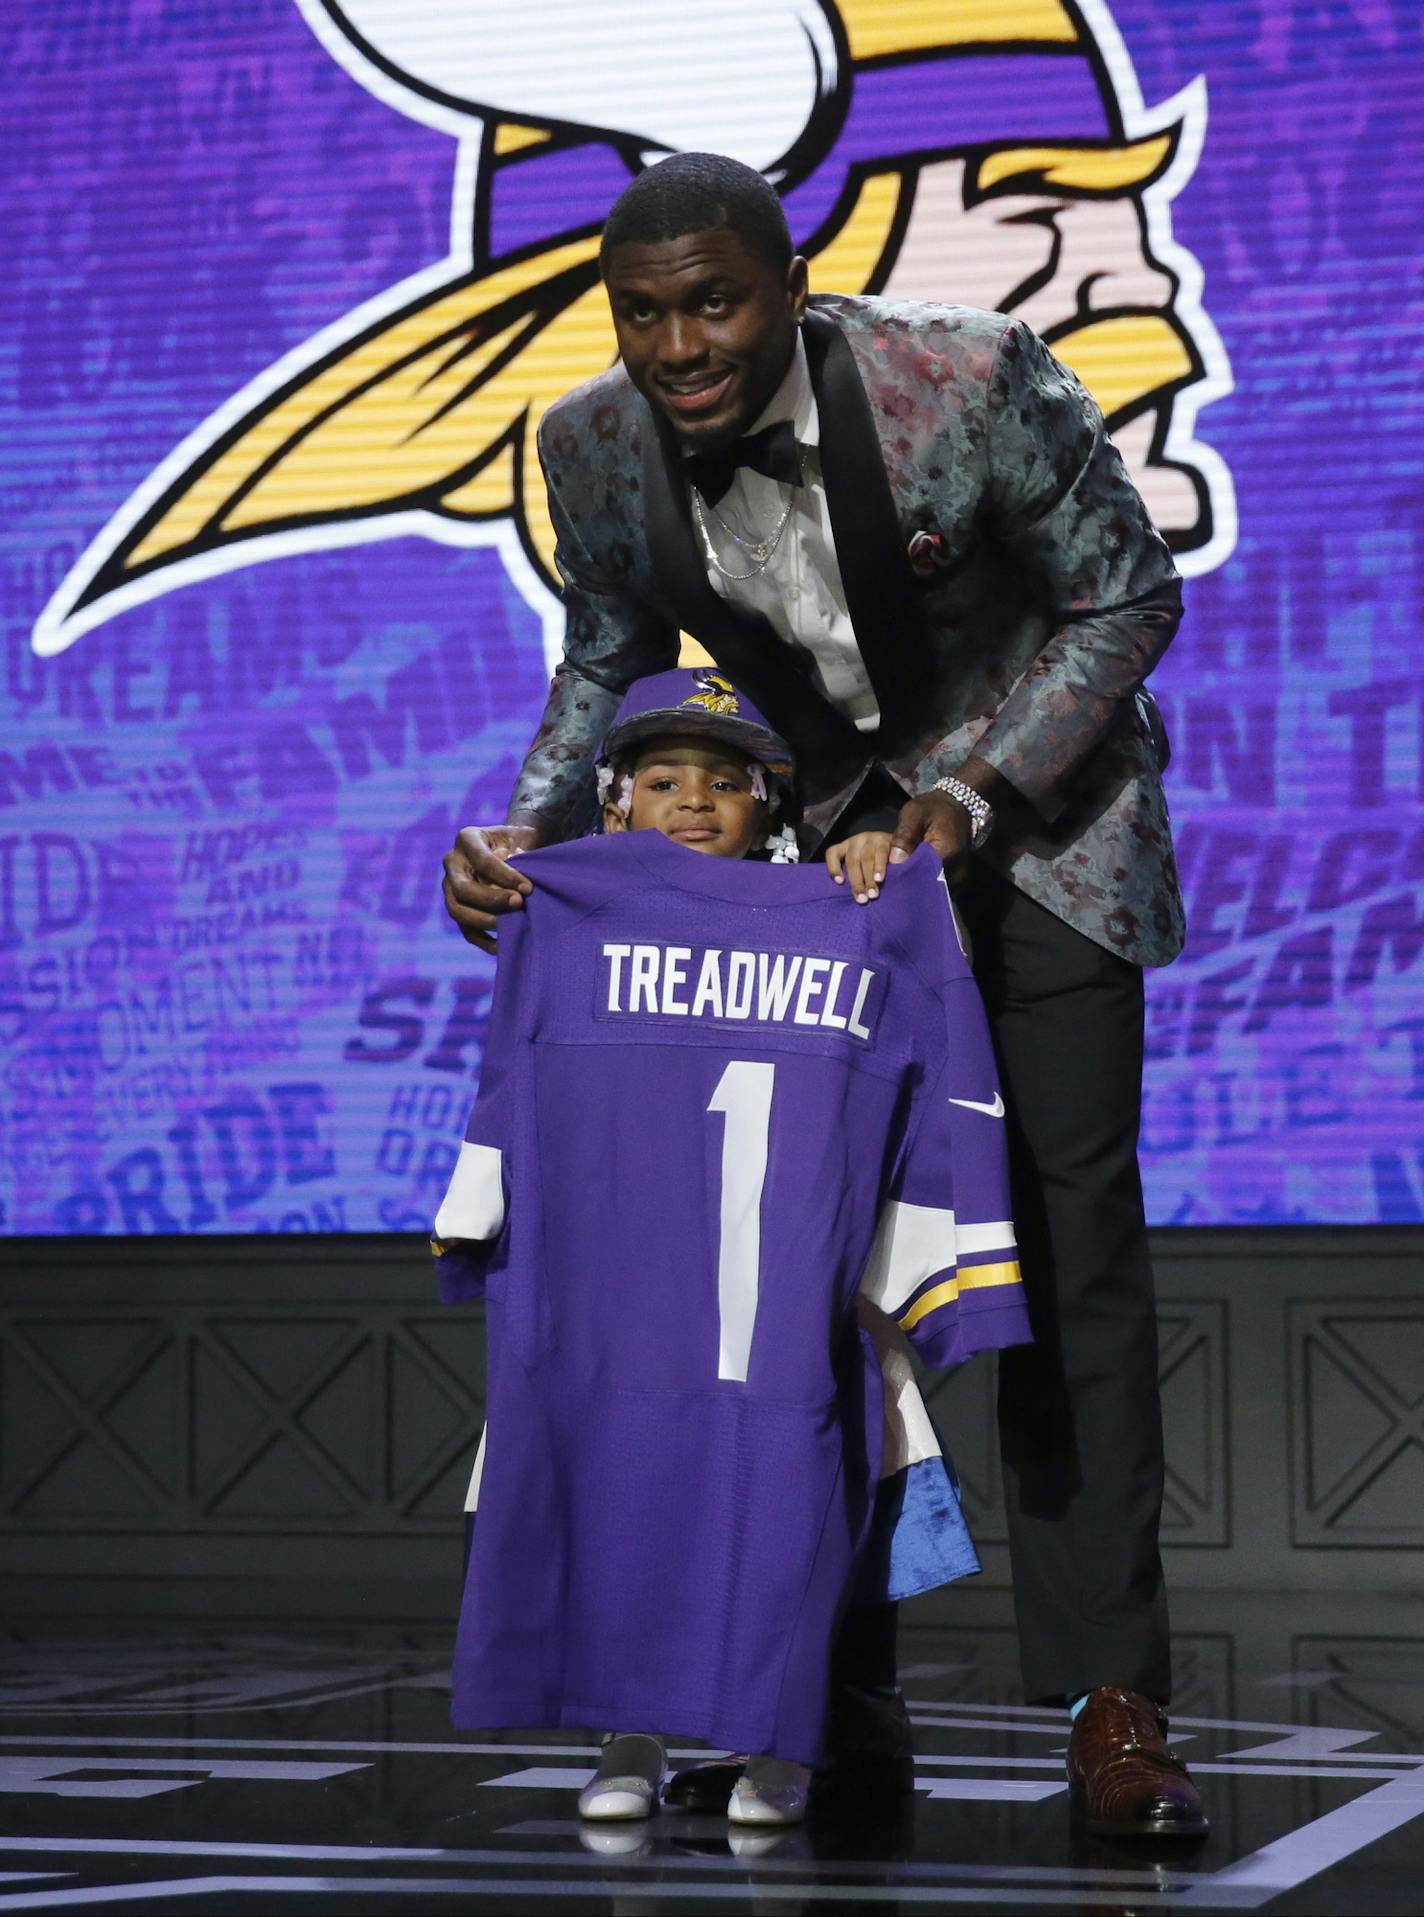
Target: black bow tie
773	451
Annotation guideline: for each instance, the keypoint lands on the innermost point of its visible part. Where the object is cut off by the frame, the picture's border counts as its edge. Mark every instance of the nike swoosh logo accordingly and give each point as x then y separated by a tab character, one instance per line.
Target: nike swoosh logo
995	1110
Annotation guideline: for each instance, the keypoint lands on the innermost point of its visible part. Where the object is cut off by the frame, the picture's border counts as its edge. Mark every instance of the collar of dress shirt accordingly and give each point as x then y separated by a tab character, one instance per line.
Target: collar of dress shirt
793	399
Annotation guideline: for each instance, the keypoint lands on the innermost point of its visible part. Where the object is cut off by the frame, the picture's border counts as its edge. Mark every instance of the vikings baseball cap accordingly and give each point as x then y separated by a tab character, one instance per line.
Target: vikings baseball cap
700	702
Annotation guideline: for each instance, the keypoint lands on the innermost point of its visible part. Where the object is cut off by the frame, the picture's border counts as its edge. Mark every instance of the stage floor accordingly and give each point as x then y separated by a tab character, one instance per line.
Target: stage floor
188	1767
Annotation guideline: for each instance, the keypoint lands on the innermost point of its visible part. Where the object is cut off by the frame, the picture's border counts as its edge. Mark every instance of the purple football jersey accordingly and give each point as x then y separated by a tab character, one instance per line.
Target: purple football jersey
717	1099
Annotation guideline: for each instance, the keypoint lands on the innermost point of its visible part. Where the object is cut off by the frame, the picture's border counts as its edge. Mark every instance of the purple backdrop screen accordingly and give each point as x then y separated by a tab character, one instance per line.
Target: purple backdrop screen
289	287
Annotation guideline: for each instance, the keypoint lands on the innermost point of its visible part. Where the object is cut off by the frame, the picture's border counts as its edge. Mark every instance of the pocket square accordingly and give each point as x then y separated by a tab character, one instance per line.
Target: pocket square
927	551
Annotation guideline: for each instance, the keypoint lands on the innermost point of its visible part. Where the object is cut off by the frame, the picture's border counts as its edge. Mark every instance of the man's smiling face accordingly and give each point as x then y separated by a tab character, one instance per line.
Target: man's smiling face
706	329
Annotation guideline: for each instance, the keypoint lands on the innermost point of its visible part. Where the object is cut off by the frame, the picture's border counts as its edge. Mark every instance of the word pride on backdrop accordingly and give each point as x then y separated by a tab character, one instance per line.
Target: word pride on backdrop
298	284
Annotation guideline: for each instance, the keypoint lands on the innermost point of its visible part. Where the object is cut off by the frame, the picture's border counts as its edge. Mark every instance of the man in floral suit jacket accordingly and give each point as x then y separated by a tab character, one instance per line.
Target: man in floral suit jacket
902	530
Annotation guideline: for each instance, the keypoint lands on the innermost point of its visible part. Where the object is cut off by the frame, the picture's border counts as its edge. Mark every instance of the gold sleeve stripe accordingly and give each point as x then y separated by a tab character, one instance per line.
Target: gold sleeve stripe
973	1278
931	1301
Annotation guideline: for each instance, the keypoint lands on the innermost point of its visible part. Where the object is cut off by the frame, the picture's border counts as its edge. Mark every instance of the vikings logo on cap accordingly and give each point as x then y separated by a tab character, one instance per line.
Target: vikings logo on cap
994	152
714	694
700	700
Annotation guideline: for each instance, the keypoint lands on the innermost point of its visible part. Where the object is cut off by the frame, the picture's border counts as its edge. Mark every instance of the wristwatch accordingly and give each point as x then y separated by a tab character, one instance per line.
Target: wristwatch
974	803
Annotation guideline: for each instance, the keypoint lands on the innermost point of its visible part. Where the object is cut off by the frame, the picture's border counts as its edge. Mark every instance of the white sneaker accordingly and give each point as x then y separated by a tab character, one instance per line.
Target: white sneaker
628	1780
771	1790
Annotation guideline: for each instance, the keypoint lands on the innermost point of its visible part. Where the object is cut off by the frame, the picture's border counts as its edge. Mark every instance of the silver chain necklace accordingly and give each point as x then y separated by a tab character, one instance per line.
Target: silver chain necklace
759	550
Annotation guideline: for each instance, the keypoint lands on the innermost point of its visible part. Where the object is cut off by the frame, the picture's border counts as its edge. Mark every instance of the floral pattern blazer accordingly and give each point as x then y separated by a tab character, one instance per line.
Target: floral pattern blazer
1008	591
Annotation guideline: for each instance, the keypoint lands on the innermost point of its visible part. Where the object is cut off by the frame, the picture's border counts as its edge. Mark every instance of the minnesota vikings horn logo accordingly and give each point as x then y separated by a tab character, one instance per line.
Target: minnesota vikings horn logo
995	152
714	693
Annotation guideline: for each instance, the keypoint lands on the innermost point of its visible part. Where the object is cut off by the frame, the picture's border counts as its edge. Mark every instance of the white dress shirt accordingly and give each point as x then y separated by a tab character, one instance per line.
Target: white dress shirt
799	590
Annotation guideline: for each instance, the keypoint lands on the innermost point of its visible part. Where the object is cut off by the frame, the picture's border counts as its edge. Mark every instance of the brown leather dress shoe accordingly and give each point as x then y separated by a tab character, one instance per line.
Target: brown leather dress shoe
1125	1781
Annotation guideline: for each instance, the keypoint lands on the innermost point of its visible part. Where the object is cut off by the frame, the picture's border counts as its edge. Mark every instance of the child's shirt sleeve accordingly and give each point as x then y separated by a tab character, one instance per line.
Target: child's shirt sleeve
471	1225
944	1264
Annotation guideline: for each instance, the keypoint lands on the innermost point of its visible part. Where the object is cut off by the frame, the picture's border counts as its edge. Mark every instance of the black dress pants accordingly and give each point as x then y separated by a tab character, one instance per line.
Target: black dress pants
1080	1420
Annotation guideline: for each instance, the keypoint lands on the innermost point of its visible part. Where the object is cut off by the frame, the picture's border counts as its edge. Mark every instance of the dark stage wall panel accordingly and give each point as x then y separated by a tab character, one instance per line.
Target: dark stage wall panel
285	1426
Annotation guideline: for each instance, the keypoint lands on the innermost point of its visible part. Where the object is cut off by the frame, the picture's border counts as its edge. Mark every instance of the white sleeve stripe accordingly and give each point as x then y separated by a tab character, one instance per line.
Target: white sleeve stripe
972	1239
473	1205
912	1243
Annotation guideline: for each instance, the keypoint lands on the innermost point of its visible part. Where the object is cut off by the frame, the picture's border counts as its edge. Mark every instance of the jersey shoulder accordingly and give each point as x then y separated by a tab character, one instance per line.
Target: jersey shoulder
920	920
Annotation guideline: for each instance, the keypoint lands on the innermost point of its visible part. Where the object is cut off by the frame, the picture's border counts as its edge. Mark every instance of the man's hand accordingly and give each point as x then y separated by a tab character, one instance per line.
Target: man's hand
935	819
944	823
480	887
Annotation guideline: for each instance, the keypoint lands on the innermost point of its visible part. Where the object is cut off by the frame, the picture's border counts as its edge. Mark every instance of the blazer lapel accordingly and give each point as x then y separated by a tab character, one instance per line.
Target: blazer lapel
747	649
870	548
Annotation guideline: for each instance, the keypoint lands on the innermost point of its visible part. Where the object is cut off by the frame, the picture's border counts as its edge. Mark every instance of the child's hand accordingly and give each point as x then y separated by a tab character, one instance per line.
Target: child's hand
863	860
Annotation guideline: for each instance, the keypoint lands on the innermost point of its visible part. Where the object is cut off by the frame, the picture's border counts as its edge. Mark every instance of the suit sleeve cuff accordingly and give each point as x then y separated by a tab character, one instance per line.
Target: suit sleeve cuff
1042	794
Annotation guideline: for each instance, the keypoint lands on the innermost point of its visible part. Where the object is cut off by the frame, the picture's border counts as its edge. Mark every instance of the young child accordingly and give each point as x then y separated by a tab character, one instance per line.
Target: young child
692	761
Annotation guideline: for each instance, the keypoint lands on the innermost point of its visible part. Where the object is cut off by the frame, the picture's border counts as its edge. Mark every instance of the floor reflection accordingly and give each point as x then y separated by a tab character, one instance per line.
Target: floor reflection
303	1769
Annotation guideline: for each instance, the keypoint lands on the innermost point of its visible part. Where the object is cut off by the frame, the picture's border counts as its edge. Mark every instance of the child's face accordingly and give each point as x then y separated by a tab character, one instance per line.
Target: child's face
699	795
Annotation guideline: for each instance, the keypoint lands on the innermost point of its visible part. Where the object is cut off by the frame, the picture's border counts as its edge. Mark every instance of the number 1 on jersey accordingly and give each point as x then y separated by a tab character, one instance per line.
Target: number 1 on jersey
743	1096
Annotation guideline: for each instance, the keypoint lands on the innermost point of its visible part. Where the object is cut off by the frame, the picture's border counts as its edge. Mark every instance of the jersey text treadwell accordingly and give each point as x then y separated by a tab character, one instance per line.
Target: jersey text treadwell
760	988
